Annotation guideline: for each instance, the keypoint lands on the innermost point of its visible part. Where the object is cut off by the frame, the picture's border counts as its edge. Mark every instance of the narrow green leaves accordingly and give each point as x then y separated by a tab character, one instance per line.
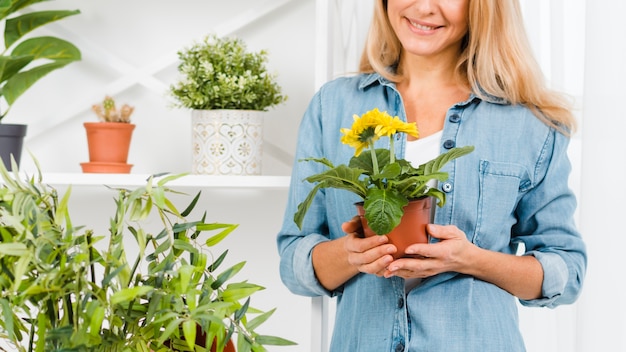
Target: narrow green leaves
67	294
215	239
128	294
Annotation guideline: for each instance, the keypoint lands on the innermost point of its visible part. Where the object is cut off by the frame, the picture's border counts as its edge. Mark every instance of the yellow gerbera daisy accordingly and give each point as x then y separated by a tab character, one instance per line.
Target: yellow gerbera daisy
363	132
369	127
396	125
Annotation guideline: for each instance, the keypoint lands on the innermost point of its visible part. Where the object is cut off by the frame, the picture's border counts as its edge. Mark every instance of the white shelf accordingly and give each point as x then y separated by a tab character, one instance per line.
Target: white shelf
195	181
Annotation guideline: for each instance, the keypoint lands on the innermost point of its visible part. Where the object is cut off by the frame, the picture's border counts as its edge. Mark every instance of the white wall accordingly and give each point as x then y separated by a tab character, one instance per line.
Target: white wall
129	49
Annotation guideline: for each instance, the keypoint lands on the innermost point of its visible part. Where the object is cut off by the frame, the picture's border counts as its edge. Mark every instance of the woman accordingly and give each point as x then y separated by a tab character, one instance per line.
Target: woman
462	70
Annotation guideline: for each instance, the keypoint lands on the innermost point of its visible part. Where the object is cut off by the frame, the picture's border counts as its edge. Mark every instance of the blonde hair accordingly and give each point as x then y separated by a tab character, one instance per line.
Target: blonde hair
496	59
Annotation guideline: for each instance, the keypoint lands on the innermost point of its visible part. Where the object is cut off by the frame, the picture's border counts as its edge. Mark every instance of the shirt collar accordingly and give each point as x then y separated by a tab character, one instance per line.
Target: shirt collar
371	79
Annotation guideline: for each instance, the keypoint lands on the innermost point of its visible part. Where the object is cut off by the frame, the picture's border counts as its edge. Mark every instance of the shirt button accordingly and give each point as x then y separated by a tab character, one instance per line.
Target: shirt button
455	118
447	187
399	347
449	144
398	136
400	303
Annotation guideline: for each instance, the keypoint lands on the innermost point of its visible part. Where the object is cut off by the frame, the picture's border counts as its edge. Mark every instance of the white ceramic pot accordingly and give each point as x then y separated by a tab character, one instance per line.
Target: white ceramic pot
227	142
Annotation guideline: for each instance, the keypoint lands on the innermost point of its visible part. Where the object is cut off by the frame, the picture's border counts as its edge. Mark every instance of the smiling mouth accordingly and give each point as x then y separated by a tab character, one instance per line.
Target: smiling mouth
422	27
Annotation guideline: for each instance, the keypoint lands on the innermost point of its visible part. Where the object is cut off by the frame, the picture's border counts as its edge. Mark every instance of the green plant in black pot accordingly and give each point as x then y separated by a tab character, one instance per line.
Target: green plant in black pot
25	60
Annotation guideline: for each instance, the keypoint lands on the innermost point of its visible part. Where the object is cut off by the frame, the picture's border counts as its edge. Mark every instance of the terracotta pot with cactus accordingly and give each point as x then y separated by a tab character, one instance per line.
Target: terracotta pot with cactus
109	139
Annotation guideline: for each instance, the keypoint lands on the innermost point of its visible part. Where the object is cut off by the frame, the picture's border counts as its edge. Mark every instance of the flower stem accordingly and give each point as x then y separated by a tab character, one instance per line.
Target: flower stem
374	159
392	151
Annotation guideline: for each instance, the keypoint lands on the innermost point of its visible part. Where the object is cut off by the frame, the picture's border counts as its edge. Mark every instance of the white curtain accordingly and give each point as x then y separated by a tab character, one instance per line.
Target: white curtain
601	325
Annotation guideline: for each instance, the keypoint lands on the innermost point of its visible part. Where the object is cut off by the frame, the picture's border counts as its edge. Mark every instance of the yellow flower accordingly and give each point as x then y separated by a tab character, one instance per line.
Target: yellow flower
363	132
369	127
394	125
385	185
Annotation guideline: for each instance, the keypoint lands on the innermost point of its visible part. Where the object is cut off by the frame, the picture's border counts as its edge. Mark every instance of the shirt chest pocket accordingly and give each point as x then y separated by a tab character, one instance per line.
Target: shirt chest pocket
501	186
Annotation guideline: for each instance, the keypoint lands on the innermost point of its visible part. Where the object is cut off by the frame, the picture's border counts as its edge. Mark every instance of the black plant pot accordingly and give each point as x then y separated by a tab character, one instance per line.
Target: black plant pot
11	141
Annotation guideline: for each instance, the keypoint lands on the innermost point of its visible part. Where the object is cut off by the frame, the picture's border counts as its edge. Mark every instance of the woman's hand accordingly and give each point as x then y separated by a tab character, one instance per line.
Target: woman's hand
369	255
449	254
522	276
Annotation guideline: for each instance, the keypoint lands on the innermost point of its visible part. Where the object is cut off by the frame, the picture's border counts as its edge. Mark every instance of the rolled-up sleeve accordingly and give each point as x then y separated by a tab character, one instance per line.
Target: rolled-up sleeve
296	268
547	228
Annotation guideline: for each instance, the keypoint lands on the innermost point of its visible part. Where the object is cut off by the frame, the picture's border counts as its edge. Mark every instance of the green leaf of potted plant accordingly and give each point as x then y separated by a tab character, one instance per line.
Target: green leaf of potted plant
228	89
25	61
61	290
386	185
109	139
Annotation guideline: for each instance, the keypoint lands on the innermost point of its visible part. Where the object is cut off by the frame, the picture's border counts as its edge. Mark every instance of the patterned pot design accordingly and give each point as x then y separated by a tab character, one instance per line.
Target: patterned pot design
227	142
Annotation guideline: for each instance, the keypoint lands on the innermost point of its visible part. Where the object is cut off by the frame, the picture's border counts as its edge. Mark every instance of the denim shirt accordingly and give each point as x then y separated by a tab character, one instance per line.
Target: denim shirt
510	193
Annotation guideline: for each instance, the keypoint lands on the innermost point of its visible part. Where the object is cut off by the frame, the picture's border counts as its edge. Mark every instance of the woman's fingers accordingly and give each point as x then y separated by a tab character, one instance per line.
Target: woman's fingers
433	258
370	255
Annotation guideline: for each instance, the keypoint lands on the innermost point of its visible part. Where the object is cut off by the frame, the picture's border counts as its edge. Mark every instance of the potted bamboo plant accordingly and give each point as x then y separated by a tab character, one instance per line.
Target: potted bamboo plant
228	90
62	290
24	61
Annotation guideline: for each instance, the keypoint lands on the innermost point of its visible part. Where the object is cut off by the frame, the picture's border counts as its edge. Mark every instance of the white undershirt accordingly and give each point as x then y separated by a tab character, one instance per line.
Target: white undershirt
418	152
424	149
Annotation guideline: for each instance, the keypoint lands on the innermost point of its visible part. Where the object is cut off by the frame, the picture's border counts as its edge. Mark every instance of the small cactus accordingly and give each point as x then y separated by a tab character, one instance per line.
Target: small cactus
107	111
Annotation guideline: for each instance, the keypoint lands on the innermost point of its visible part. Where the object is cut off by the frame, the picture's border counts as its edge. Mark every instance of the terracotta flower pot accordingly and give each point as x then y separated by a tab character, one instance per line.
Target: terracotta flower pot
412	227
108	143
230	347
201	340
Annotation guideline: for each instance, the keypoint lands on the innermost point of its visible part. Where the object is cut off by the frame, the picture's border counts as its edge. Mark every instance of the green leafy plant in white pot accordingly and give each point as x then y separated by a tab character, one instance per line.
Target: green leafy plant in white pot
65	287
228	89
24	61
